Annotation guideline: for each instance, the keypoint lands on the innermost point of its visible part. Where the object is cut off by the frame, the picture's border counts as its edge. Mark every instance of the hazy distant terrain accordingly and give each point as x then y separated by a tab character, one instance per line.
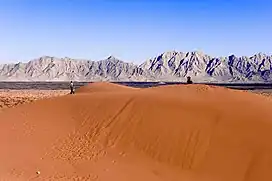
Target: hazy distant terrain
169	66
62	85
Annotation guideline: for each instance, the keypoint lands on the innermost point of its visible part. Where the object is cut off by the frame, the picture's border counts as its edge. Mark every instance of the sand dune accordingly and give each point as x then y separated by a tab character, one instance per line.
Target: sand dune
103	87
171	133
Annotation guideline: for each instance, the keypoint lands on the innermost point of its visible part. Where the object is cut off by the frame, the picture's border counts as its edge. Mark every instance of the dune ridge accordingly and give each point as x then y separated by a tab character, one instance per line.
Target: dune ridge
103	87
112	132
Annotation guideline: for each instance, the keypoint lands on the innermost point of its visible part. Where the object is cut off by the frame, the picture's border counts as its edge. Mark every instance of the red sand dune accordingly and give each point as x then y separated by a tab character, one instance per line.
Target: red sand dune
170	133
103	87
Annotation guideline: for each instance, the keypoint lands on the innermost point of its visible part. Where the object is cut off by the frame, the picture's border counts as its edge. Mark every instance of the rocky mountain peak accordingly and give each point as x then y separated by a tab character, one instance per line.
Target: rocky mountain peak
167	66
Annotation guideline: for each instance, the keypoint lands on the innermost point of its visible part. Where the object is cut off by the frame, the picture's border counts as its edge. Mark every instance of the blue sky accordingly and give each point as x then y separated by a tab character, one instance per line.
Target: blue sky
132	30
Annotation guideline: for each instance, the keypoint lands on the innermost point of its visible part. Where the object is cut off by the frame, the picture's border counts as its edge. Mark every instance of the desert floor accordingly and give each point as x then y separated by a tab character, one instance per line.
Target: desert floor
109	132
11	98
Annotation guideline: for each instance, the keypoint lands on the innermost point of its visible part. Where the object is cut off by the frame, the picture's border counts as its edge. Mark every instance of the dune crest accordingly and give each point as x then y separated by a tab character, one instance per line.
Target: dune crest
193	133
102	87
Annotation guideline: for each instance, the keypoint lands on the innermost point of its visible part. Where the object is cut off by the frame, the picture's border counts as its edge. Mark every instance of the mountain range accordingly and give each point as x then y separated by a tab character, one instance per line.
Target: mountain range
168	66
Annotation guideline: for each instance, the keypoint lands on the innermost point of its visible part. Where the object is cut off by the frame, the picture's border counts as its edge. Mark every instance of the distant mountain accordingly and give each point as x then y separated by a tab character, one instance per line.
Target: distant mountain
169	66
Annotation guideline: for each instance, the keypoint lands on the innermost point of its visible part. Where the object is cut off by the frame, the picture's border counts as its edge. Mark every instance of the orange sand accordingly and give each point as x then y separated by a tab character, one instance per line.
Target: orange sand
11	98
169	133
103	87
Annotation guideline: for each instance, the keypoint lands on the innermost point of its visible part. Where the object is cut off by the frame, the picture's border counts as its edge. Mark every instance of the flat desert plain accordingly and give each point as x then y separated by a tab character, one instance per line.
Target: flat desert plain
109	132
11	98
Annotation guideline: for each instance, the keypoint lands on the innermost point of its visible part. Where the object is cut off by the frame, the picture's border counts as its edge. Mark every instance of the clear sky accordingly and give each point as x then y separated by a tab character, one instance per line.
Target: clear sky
132	30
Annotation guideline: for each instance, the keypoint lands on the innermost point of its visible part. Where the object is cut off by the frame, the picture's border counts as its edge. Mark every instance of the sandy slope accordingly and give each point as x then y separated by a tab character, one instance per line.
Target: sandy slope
102	87
172	133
